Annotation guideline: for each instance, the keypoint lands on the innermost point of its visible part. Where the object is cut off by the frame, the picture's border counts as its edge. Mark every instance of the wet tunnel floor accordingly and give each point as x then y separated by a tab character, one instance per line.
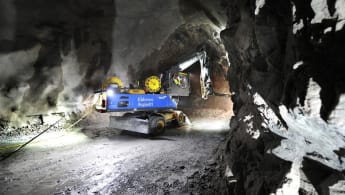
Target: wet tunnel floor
105	162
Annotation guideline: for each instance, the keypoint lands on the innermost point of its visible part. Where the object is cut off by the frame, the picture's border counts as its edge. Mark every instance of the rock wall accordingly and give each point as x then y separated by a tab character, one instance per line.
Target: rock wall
286	72
276	49
52	53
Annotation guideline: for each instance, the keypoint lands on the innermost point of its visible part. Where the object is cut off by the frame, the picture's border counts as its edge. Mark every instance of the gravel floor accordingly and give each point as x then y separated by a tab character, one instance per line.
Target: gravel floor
102	161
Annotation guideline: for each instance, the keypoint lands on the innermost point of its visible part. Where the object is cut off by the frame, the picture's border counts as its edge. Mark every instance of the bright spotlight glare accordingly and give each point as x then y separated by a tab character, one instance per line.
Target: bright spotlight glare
188	121
110	92
207	125
58	139
51	119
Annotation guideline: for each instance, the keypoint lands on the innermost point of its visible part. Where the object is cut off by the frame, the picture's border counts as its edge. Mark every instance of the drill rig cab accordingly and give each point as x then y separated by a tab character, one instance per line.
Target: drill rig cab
150	109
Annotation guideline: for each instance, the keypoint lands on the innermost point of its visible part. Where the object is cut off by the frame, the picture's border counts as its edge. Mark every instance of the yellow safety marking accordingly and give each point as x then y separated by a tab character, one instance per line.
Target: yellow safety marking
161	124
136	91
153	84
169	116
112	80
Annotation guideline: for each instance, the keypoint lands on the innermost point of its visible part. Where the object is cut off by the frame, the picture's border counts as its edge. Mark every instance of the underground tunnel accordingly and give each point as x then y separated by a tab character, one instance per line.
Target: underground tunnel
172	97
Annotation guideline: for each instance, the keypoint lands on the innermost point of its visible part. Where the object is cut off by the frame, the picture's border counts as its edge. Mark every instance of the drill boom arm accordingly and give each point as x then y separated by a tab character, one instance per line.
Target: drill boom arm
199	56
205	80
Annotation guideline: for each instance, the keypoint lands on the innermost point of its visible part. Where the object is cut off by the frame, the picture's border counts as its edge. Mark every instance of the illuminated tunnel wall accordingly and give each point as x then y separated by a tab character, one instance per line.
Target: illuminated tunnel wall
54	54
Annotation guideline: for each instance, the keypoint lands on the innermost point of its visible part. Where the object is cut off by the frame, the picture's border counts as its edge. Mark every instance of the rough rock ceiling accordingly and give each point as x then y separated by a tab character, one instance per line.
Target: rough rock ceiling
55	53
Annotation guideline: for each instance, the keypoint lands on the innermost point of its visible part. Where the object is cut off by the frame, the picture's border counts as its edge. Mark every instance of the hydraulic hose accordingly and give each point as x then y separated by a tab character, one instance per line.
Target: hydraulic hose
44	131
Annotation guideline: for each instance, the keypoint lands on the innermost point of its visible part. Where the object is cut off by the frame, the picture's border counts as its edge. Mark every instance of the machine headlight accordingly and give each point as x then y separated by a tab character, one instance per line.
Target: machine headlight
110	92
112	89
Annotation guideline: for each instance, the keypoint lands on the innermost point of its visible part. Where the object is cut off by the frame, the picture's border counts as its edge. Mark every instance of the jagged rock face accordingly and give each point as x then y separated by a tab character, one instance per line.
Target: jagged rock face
275	47
285	52
52	52
58	52
184	41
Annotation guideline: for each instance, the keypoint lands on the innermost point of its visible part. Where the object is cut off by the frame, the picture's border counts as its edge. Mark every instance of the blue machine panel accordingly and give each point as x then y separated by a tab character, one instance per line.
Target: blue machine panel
127	102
